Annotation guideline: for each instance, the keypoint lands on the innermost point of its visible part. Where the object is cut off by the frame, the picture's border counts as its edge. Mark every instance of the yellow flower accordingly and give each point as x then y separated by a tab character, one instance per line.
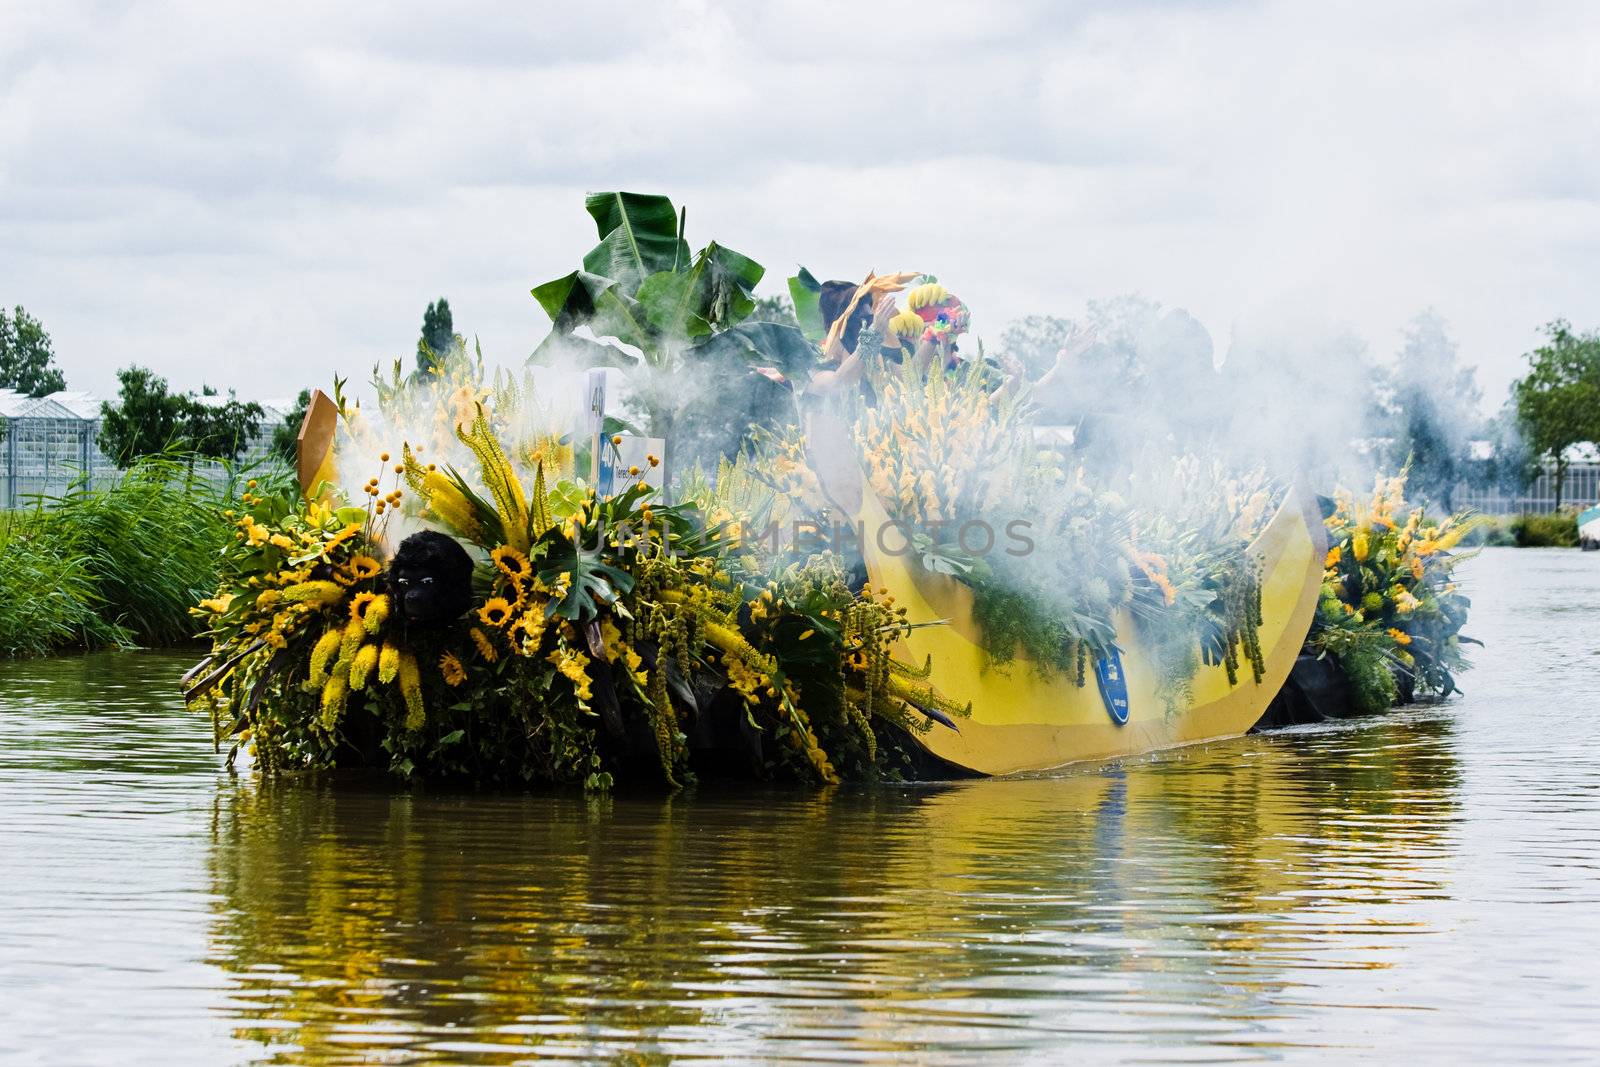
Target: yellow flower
411	690
1400	636
388	663
495	612
1359	545
334	693
217	605
350	642
511	563
362	604
1334	555
361	667
322	655
278	540
450	666
320	593
485	647
572	665
364	567
1416	567
340	538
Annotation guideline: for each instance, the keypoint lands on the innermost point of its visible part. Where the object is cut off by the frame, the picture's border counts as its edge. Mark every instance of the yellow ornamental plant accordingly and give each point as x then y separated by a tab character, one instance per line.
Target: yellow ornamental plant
1391	611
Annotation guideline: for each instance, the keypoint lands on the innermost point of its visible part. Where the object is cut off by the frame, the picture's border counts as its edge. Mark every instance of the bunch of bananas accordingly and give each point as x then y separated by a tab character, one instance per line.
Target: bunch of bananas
925	295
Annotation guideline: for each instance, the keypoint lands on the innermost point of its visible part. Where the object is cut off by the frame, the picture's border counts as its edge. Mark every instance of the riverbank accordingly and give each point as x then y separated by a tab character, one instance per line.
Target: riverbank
1555	530
119	565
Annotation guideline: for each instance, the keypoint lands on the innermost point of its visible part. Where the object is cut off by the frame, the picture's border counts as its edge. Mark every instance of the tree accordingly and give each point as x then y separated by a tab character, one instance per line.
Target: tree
1558	400
438	335
146	419
286	435
27	360
1428	411
216	428
1145	380
777	309
1511	465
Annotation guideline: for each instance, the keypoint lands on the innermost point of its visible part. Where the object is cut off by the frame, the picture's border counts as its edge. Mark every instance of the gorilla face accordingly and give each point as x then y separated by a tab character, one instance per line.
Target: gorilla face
430	579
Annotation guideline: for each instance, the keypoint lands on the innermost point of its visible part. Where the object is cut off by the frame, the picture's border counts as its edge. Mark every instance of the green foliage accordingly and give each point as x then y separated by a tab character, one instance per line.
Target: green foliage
27	360
149	420
1558	400
605	629
285	435
1389	592
1428	411
706	375
438	335
805	294
121	564
1557	530
146	420
219	430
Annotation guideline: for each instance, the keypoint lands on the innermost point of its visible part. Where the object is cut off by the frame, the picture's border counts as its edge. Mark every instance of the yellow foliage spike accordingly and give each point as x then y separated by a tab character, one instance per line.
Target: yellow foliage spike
411	690
500	478
541	519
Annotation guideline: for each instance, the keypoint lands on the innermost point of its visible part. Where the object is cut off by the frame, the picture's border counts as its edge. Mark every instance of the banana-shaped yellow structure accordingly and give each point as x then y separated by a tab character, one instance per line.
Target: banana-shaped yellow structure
1022	721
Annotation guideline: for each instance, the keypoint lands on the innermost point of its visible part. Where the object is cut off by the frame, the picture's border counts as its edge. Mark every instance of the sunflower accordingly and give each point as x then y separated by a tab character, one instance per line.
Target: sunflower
495	612
350	530
511	563
450	666
486	647
364	567
360	604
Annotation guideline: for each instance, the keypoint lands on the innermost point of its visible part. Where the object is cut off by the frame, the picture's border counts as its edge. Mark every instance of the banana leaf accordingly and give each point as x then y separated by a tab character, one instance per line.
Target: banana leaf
715	291
759	344
805	292
640	235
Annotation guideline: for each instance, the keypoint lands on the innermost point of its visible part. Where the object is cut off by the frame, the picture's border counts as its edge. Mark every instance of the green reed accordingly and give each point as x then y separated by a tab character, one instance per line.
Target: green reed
118	564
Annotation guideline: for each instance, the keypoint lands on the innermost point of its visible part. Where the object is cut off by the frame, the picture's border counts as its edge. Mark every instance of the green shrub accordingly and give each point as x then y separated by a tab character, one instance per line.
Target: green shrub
1559	530
120	564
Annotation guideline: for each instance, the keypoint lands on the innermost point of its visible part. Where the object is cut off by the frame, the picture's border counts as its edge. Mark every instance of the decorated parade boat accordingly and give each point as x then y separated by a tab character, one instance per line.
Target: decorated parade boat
502	580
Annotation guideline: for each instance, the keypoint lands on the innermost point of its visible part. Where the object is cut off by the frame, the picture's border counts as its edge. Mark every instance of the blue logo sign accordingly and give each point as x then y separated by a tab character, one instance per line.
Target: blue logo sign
1113	686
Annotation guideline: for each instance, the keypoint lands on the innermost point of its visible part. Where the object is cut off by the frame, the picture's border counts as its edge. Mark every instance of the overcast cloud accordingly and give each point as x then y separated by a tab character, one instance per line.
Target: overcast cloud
261	196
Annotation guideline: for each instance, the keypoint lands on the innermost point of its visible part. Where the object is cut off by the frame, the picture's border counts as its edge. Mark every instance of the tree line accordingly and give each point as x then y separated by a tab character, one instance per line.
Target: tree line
1424	410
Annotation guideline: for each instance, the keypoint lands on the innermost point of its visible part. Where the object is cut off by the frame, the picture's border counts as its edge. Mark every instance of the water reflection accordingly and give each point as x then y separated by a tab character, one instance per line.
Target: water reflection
1178	897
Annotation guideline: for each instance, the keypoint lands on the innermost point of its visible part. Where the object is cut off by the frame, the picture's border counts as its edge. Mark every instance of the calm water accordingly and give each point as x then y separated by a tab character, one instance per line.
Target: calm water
1424	886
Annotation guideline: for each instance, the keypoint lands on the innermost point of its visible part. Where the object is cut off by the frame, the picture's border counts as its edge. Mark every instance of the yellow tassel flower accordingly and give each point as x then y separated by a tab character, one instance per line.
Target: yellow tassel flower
362	666
388	663
411	690
322	656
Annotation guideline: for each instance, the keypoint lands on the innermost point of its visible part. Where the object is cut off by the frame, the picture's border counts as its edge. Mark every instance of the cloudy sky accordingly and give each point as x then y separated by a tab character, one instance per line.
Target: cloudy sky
262	196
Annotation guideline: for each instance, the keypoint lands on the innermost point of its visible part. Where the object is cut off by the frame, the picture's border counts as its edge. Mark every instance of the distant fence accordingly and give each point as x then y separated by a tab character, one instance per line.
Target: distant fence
1581	489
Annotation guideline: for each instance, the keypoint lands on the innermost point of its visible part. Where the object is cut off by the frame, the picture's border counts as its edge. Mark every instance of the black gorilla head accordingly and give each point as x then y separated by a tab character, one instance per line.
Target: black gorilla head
430	579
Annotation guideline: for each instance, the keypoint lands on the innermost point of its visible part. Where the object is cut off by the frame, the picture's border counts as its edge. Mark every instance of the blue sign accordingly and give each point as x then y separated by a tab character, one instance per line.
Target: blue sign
1113	686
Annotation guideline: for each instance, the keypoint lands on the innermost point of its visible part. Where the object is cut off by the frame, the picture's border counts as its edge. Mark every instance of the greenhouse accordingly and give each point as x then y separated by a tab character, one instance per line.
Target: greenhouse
47	442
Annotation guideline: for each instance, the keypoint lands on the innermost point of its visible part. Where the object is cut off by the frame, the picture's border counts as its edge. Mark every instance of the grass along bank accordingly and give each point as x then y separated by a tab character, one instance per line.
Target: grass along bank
118	565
